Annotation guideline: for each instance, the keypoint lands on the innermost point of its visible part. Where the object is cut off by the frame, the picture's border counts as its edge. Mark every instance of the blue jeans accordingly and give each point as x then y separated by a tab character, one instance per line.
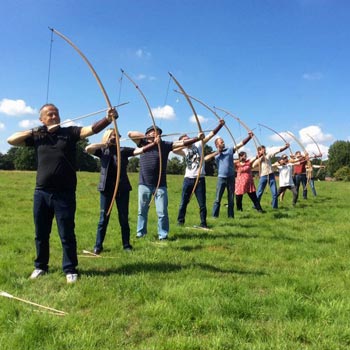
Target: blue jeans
312	186
161	202
273	187
187	189
62	205
122	201
222	184
301	179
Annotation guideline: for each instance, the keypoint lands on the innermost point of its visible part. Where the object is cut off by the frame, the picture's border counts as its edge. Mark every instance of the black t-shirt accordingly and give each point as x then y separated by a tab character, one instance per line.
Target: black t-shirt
56	159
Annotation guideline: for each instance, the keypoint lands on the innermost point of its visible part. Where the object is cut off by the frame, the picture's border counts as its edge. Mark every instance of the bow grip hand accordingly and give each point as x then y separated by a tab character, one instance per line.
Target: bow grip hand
40	130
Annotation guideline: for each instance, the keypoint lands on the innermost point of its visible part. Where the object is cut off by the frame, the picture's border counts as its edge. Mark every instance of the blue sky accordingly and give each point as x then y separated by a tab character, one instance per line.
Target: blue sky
282	63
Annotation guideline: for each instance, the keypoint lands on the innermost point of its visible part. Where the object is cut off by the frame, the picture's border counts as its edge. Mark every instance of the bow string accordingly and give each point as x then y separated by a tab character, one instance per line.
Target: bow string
108	102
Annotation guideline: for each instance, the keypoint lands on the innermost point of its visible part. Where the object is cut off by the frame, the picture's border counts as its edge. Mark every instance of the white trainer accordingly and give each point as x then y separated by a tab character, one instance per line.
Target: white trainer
71	277
37	273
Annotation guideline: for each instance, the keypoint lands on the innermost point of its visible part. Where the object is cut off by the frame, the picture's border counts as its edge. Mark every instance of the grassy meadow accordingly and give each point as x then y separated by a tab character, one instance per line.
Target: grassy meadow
279	280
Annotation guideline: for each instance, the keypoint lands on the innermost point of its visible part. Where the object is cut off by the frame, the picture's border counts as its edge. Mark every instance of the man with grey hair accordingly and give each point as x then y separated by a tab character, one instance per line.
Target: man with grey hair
54	195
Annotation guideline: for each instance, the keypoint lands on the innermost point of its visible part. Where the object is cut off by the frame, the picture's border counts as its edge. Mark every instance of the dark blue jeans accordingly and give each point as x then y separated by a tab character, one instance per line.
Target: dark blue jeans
122	201
301	179
62	205
187	189
222	184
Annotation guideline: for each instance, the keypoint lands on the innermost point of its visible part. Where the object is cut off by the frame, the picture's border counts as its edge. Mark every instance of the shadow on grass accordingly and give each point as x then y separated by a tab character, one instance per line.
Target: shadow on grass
283	237
136	268
211	235
280	215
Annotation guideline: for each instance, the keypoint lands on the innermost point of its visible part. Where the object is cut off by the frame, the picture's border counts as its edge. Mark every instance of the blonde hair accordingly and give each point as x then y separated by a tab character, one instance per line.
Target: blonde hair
107	135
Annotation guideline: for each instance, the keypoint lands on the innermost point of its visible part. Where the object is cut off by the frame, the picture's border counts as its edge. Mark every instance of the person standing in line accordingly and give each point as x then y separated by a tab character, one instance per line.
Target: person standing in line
226	173
300	173
192	155
267	174
245	182
148	179
310	175
106	151
285	168
56	181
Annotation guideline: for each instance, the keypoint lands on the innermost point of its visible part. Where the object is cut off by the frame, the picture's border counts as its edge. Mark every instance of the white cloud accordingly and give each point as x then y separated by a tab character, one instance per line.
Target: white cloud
315	132
28	124
304	137
317	135
15	107
142	76
276	138
2	126
201	119
165	112
141	53
313	76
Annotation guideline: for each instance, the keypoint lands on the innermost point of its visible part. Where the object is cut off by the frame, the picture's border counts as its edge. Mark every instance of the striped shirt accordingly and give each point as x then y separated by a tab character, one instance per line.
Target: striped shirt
149	165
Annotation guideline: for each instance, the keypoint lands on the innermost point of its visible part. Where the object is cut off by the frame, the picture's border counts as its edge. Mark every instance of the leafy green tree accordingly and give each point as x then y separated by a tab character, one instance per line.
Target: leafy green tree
210	166
175	166
338	156
133	165
25	158
6	163
343	174
86	162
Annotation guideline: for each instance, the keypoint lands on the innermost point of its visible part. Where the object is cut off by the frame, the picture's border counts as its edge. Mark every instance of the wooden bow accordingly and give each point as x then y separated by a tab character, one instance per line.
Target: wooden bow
212	111
284	140
319	152
245	126
297	141
199	129
155	131
103	90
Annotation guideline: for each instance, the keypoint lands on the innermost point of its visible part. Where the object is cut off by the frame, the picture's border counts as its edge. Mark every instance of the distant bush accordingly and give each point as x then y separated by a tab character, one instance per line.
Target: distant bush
343	174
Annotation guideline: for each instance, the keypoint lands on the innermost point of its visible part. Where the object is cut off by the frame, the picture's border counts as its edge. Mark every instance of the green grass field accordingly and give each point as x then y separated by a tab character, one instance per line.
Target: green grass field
279	280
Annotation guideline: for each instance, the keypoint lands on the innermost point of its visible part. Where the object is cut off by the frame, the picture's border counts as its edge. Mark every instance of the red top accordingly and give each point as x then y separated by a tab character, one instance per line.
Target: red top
300	168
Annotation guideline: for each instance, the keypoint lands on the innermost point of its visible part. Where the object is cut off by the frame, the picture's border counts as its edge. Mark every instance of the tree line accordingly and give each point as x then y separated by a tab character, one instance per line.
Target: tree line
23	158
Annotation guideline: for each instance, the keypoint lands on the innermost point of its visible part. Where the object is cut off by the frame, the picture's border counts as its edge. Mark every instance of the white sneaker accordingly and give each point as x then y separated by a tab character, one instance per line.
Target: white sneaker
37	273
71	277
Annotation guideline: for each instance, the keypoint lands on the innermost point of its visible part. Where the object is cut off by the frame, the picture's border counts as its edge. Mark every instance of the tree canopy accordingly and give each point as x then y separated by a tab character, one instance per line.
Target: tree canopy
338	156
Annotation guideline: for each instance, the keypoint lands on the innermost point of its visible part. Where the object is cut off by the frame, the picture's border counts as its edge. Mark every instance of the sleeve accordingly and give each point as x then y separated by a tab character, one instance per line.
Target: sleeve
75	132
142	142
169	146
29	142
128	151
98	153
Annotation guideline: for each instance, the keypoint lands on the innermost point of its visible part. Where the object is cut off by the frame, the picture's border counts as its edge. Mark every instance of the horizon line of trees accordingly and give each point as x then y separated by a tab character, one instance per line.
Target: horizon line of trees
23	158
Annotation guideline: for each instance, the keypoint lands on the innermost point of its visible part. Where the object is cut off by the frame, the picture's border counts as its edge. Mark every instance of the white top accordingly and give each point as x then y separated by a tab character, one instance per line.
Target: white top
192	159
286	175
265	165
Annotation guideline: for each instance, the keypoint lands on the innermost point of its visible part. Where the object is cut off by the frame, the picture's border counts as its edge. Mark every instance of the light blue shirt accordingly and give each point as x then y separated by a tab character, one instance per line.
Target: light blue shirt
224	162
